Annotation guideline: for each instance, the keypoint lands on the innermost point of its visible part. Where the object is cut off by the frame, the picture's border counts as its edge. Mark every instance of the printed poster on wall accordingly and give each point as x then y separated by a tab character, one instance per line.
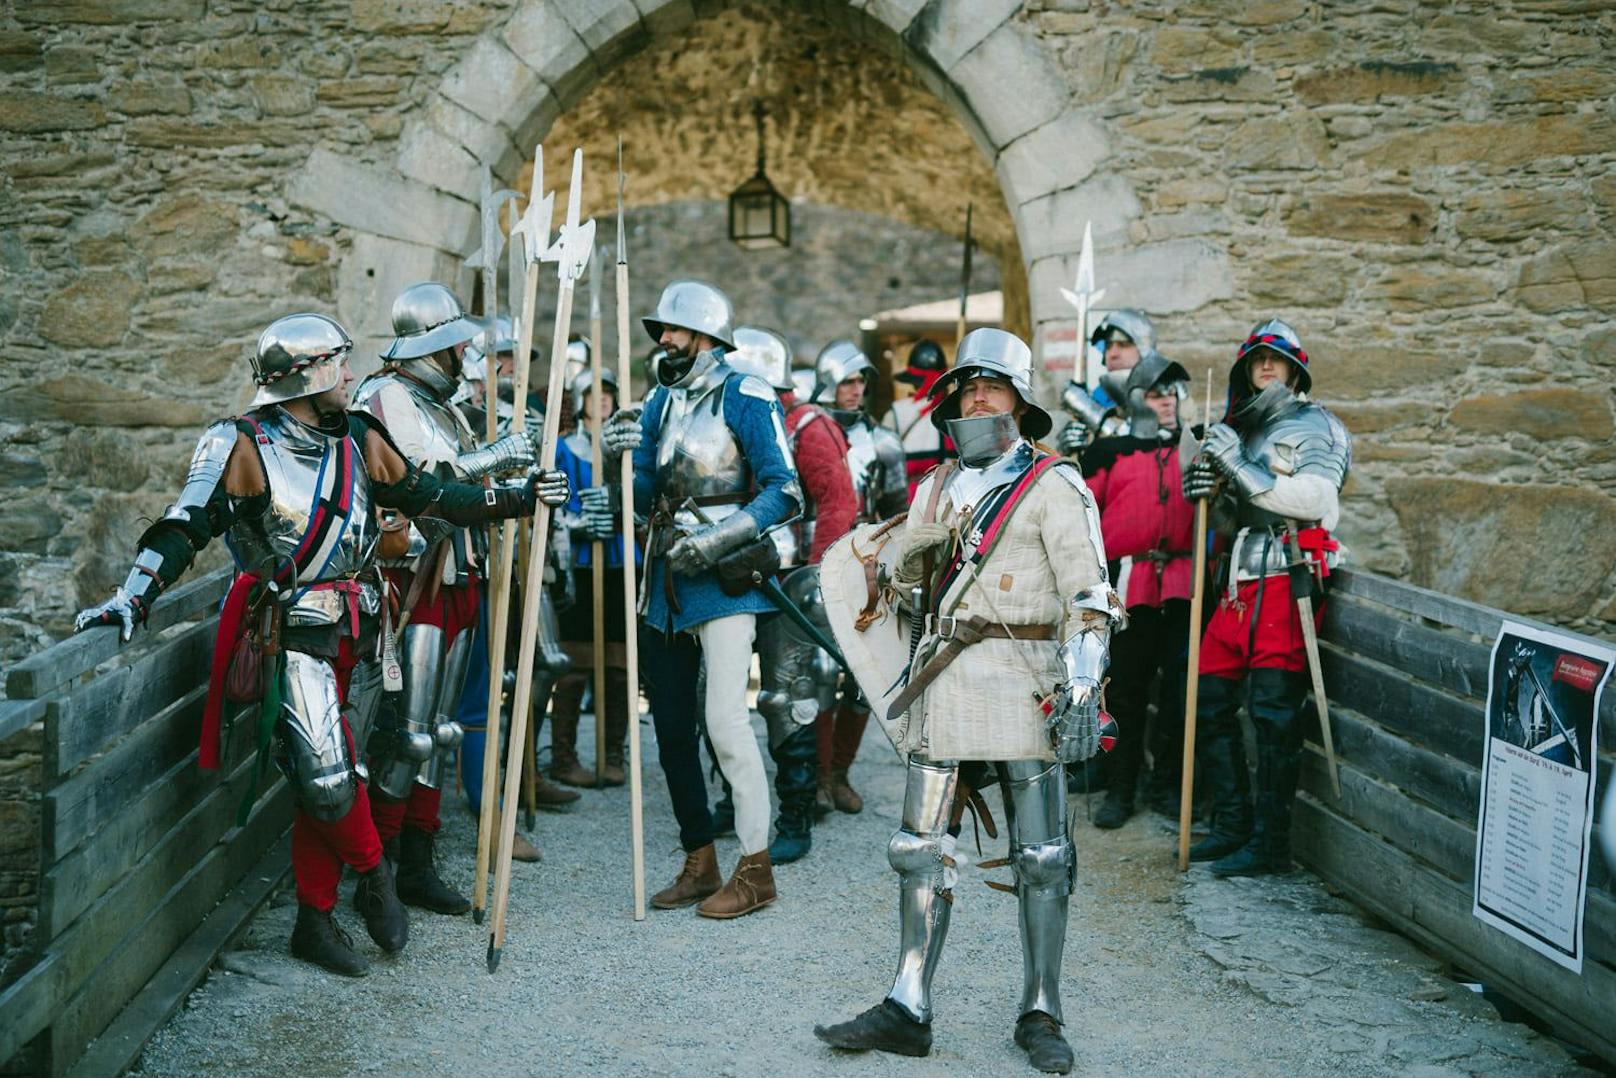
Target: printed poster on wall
1537	787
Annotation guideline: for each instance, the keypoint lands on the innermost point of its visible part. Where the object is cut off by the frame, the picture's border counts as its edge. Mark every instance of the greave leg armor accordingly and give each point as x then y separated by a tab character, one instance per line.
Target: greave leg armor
404	738
925	889
446	732
1045	867
364	700
313	751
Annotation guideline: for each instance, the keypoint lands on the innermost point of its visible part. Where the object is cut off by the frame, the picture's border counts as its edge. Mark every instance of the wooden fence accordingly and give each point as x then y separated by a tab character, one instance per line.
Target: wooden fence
1406	673
141	864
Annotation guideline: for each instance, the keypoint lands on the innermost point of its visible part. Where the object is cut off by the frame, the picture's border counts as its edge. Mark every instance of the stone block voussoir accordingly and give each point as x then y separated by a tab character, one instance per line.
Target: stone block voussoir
1061	153
541	38
369	199
491	82
428	155
1009	107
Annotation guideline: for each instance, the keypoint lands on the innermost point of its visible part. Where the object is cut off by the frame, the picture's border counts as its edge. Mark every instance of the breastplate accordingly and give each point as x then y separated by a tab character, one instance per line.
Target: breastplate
697	454
864	466
1296	437
968	486
431	432
292	457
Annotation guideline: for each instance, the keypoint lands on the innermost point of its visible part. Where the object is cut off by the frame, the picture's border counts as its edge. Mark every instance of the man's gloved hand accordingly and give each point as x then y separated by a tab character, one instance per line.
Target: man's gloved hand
621	433
601	508
1199	479
1222	448
701	549
1072	438
123	609
1074	720
918	540
550	487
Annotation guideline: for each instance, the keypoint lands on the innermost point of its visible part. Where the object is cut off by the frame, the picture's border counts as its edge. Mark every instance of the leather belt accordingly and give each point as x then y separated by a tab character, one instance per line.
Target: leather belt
960	633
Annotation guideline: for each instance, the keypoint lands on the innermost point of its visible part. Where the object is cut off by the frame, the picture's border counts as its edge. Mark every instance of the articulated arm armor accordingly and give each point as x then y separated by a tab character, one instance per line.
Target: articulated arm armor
1074	715
508	454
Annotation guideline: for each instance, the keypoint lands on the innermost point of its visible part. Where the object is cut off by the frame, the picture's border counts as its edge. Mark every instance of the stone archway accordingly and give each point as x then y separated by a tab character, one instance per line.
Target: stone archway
980	60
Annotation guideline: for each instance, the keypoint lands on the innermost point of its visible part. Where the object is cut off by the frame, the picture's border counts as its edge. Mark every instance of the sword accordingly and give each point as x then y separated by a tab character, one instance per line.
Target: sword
772	591
1302	574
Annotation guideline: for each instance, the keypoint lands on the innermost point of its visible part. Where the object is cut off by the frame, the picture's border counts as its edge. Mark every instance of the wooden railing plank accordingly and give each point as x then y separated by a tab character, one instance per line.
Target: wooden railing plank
18	715
1451	786
1454	662
1422	713
118	1048
76	808
88	719
197	881
49	670
70	886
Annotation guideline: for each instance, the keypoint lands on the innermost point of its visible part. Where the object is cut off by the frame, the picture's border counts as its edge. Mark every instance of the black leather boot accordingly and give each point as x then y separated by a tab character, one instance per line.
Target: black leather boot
376	899
1221	768
1276	706
418	880
317	938
1039	1035
796	781
724	812
885	1027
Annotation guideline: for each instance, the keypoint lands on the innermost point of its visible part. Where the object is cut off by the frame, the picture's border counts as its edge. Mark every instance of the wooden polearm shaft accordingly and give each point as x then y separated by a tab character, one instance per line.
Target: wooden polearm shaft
1186	792
965	280
597	547
625	477
532	230
570	250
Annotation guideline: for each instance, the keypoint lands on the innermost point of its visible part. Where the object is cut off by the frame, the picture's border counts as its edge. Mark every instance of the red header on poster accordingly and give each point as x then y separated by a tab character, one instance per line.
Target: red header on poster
1578	672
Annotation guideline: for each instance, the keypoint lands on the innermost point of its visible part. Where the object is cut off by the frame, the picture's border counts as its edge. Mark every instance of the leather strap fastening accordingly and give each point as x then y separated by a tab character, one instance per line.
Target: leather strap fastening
961	634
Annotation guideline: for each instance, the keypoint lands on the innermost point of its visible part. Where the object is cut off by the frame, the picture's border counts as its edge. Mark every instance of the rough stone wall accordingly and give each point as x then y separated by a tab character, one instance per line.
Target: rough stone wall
1424	189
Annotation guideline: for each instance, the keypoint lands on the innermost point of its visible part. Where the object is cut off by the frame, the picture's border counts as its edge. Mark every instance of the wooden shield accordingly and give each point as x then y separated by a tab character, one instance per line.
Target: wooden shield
870	628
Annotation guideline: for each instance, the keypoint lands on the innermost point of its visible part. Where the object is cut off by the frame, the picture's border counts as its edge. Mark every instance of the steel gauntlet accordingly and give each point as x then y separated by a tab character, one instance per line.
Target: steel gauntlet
701	549
508	454
131	601
1223	450
601	508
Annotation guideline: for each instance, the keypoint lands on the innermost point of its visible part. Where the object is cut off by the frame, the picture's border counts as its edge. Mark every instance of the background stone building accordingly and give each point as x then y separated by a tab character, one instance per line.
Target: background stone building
1425	189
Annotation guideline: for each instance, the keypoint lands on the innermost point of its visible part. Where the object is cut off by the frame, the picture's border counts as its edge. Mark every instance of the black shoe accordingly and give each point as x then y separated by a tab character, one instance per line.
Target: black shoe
317	938
1218	844
1114	813
376	899
1040	1036
418	880
885	1027
790	843
1252	859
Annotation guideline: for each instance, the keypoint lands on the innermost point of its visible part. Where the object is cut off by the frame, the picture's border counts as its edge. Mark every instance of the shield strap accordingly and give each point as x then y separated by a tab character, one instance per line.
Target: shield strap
997	510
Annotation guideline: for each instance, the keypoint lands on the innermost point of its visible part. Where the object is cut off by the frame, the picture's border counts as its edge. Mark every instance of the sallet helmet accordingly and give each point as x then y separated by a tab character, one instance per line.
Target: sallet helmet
836	363
696	306
298	356
764	353
998	354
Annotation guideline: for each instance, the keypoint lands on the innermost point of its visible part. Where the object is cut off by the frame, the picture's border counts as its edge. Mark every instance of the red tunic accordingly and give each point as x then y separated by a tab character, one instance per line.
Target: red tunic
1143	517
821	453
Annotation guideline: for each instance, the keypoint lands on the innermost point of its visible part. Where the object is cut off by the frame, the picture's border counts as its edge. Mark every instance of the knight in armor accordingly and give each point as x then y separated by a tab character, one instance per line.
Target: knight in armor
550	662
712	472
876	464
437	581
1148	528
798	680
588	523
1003	554
923	444
1274	468
1121	337
294	484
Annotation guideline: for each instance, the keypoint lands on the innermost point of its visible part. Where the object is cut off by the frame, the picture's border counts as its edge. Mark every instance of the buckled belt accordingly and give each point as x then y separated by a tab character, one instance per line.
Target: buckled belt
960	633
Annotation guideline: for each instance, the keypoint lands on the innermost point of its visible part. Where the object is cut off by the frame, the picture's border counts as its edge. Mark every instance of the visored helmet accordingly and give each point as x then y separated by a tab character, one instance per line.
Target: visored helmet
837	362
994	353
298	356
427	318
1128	325
764	353
696	306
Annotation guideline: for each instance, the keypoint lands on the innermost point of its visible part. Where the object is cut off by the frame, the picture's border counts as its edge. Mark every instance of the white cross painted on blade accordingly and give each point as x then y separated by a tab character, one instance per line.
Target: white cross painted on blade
570	252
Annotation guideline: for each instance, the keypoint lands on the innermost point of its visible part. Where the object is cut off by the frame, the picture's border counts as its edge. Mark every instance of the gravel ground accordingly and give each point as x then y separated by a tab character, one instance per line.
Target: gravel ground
1163	974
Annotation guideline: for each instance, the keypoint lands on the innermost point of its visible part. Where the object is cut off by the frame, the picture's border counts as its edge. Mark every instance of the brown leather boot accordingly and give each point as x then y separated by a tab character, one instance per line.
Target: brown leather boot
523	850
564	765
748	890
550	797
696	880
617	713
842	795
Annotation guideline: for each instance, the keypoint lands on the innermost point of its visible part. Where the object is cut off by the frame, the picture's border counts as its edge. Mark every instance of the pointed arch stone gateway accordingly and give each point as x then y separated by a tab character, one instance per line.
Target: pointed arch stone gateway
979	57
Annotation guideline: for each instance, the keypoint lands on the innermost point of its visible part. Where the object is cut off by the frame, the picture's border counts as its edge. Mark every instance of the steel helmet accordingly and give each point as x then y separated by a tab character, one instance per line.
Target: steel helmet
427	318
696	306
298	356
998	354
762	352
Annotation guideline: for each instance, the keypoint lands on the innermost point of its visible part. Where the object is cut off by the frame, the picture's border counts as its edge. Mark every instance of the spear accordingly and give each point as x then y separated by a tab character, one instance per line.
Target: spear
1083	295
597	549
486	259
630	592
570	252
965	279
532	232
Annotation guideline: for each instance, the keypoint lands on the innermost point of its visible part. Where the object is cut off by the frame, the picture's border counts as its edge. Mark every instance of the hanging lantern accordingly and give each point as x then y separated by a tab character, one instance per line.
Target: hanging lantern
758	216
